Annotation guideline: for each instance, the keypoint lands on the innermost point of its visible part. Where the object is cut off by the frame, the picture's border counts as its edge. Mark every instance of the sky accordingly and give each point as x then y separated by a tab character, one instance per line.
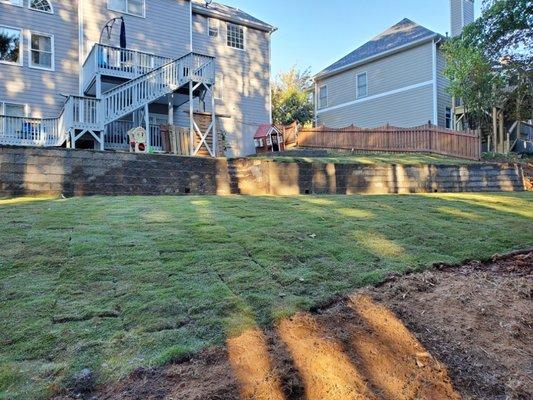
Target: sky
316	33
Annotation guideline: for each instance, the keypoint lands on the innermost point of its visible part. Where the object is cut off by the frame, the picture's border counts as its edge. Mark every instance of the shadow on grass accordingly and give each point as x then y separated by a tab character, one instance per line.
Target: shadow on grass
141	281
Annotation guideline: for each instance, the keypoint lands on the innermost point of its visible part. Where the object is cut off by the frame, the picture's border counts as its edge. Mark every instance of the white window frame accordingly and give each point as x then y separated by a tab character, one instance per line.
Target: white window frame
319	98
209	26
3	107
21	47
357	94
244	34
20	3
46	12
125	11
52	44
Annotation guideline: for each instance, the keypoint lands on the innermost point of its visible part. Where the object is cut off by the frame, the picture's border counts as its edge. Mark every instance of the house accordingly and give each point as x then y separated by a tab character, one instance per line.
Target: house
84	72
396	78
269	138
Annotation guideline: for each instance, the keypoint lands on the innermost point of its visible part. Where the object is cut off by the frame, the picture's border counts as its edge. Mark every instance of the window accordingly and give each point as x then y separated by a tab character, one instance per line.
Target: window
12	2
448	118
41	51
10	45
12	109
323	97
213	27
236	36
219	87
133	7
362	86
41	5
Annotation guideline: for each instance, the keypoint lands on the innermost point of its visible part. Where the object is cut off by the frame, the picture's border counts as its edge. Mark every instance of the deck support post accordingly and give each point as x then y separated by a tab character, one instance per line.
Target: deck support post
98	86
214	121
147	124
72	139
191	117
170	100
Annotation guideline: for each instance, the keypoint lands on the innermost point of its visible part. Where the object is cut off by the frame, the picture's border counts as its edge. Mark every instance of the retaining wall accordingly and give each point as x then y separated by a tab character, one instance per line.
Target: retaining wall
34	171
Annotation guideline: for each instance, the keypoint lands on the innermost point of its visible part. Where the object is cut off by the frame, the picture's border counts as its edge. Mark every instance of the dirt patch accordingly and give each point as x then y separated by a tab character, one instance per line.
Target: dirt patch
448	333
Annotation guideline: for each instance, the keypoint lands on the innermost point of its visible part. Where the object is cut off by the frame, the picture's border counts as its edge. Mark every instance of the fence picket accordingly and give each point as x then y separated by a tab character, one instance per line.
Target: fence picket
425	138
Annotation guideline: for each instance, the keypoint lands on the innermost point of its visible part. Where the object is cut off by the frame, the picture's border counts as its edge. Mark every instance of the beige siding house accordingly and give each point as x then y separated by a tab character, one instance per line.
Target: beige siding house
66	79
396	78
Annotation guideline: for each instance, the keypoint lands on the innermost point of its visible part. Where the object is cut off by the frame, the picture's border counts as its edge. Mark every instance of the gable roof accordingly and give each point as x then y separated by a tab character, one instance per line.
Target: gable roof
230	13
264	130
402	34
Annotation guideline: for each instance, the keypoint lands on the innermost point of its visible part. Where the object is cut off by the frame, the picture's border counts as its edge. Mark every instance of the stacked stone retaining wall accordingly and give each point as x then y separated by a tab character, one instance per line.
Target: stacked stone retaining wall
37	171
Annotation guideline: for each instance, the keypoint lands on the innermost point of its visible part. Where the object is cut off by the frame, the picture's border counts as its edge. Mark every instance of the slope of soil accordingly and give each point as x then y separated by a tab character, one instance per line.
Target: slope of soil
449	333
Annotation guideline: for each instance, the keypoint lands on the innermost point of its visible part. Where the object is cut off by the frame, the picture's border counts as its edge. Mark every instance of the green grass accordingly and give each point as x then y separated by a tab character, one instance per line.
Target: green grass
390	158
117	283
372	158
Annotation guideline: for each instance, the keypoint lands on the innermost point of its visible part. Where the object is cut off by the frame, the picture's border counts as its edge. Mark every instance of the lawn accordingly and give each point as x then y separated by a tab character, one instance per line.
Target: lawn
332	156
116	283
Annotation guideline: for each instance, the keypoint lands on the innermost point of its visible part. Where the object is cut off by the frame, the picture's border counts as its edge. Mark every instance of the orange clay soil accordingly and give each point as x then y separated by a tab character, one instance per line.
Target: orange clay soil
449	333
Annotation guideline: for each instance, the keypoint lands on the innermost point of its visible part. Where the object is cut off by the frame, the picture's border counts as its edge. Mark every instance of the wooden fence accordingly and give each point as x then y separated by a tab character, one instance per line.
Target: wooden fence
290	134
424	139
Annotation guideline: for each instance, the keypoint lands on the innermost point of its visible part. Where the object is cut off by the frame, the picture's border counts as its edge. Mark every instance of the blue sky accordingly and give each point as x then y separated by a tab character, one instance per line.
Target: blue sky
316	33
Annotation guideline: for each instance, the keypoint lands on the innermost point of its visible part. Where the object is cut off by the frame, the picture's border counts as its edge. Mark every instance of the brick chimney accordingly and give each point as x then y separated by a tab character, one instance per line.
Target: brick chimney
462	14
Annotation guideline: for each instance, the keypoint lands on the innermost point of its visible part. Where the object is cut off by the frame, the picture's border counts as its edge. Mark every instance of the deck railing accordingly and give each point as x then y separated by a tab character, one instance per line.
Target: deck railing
118	62
130	96
116	136
426	139
77	113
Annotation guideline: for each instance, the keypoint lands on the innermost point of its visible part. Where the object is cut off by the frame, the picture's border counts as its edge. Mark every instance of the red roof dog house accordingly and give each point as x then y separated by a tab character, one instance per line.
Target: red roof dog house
268	138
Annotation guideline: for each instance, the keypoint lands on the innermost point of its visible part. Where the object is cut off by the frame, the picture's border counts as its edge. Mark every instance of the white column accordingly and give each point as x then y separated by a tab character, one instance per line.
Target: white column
214	120
147	124
191	117
98	85
170	99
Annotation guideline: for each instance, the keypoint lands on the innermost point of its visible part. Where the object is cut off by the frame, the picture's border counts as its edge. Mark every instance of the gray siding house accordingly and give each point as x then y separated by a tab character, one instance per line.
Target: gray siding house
66	79
396	78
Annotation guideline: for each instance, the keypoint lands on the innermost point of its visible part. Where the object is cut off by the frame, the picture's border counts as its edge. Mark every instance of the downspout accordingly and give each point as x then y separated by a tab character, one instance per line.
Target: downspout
191	48
315	98
80	45
435	86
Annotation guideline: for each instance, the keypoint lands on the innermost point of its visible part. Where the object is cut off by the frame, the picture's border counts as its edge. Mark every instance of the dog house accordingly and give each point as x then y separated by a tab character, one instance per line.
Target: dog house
268	138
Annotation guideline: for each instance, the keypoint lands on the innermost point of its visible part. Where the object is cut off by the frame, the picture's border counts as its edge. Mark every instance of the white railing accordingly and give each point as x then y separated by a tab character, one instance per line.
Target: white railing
130	96
118	62
77	113
116	136
87	113
24	131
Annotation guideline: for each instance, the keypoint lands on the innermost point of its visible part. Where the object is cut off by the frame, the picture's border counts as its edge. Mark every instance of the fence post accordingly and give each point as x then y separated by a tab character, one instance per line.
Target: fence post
479	144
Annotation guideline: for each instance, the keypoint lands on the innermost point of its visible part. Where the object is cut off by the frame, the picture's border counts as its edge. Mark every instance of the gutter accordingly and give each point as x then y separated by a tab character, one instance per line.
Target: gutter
199	9
322	75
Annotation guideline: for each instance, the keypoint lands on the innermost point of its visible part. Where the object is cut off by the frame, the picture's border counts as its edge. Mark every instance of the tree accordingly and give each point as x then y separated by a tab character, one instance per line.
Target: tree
490	64
290	97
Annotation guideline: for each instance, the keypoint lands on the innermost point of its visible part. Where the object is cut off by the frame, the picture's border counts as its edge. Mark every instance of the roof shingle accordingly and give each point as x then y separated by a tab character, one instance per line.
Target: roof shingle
401	34
231	12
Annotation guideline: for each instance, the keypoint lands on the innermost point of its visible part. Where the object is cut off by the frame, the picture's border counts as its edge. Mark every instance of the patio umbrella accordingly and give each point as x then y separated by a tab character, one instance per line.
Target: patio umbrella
123	43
